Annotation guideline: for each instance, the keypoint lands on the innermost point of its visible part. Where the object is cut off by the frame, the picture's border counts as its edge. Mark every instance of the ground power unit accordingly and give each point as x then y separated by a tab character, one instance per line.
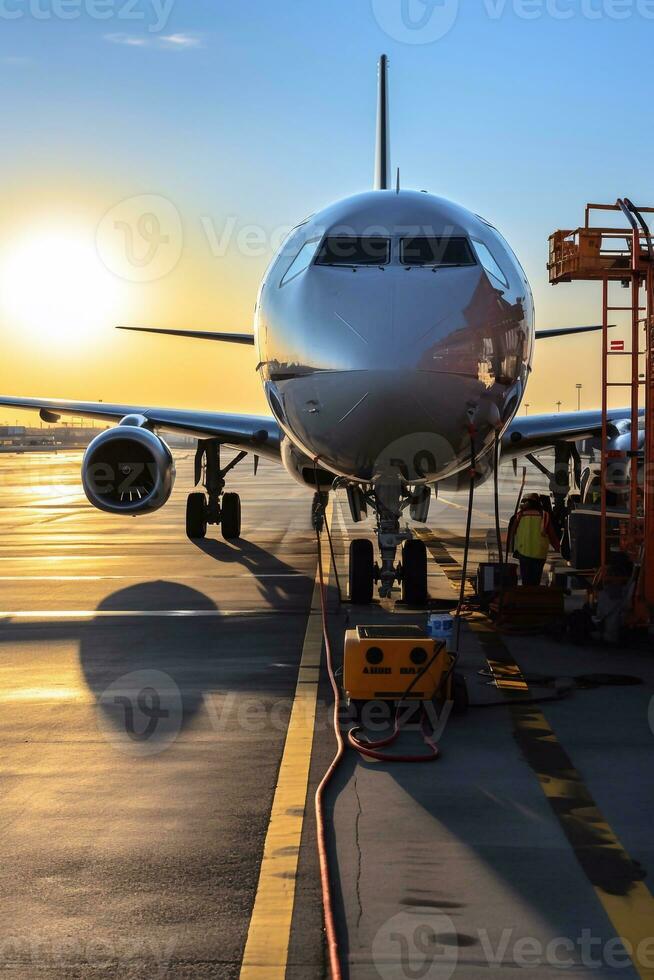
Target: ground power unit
380	663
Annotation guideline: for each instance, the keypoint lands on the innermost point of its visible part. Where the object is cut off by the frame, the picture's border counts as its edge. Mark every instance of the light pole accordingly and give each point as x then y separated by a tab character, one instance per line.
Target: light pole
578	387
558	405
526	408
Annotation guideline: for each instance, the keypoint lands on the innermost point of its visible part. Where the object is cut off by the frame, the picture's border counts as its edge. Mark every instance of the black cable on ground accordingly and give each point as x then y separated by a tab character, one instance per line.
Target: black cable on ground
466	549
321	521
496	497
333	558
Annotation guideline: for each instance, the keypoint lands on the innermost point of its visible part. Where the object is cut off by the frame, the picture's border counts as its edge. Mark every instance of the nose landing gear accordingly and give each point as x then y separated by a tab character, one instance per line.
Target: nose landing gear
388	501
213	506
411	572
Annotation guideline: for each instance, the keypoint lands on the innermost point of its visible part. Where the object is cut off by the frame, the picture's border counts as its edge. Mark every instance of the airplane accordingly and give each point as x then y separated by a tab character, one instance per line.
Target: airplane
395	338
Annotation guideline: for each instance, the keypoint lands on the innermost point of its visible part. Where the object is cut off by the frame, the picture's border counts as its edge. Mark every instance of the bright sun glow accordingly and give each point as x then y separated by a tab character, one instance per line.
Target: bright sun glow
54	285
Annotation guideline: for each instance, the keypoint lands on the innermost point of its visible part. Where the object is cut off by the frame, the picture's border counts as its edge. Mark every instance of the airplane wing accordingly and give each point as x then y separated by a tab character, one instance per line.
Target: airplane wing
531	433
232	338
248	338
567	331
256	433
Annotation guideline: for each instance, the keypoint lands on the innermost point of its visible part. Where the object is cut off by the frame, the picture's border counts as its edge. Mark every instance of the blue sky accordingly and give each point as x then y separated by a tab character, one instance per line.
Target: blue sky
265	110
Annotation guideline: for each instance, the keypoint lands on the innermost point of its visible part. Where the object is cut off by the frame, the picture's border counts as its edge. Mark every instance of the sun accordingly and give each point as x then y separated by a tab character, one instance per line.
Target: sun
54	286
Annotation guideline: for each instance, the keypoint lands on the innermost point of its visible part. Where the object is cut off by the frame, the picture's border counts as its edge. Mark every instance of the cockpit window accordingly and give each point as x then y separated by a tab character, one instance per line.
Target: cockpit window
302	261
350	250
440	251
489	263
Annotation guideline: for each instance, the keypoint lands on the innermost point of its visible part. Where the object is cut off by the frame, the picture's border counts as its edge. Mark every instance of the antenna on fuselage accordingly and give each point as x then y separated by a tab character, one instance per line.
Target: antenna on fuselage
383	152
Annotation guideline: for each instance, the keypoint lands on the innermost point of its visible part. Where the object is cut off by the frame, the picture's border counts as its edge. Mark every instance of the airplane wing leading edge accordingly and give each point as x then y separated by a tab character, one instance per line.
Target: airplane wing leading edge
531	433
258	433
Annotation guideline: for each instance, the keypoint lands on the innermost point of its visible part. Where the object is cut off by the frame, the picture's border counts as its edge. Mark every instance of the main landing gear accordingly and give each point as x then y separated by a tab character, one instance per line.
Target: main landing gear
212	505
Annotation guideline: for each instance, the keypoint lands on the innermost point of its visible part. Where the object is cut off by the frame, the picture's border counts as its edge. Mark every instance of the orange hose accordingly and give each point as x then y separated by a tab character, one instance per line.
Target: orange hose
371	749
327	898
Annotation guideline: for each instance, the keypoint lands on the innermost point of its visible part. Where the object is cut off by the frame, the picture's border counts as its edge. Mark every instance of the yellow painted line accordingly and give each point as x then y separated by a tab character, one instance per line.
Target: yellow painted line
616	879
449	565
266	948
507	677
480	513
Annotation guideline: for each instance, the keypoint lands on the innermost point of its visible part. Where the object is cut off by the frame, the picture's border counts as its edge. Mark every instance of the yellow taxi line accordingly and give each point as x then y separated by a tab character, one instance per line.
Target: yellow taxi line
269	933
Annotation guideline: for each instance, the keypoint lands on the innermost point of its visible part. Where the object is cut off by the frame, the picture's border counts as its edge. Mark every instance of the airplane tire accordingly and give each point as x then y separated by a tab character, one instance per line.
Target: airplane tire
414	573
357	503
230	521
196	516
362	571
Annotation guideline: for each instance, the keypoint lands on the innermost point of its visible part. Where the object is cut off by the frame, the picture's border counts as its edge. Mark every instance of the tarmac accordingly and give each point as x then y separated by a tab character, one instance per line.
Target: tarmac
146	687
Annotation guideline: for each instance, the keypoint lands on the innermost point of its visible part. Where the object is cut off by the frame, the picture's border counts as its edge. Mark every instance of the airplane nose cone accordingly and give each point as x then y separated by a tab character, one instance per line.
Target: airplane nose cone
363	424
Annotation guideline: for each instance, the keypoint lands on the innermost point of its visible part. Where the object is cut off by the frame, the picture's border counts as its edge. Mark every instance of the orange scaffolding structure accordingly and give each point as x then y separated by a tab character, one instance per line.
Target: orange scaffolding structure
622	254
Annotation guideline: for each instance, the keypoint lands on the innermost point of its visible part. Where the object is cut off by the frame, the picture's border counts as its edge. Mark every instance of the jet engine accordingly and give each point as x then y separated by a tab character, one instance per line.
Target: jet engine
128	469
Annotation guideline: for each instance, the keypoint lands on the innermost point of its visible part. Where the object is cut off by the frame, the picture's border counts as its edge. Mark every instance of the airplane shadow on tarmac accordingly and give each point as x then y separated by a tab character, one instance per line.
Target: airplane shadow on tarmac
151	674
279	583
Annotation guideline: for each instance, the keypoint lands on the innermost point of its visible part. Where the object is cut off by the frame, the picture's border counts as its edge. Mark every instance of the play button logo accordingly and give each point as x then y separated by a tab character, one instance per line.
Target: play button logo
415	21
419	943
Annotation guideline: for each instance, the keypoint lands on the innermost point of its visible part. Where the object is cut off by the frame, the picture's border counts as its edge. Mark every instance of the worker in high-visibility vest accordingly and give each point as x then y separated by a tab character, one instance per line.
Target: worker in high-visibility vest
531	534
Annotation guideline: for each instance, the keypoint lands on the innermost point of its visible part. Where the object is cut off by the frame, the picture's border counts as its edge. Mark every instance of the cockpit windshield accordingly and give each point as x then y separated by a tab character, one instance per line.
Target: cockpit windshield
350	250
302	261
436	251
490	263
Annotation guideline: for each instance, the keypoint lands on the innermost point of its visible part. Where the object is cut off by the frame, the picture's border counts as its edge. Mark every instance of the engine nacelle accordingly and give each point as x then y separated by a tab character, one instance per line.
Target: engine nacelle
302	468
128	469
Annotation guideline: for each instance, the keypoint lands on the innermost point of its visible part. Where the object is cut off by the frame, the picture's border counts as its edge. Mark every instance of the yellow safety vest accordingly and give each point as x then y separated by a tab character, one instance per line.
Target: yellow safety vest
530	538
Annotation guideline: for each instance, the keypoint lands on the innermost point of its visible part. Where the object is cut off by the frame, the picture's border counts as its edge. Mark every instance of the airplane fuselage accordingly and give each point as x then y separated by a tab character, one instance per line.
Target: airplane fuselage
393	359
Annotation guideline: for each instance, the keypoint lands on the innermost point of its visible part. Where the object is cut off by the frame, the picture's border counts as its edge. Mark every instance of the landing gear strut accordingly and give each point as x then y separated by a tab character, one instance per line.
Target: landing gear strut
213	506
411	572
